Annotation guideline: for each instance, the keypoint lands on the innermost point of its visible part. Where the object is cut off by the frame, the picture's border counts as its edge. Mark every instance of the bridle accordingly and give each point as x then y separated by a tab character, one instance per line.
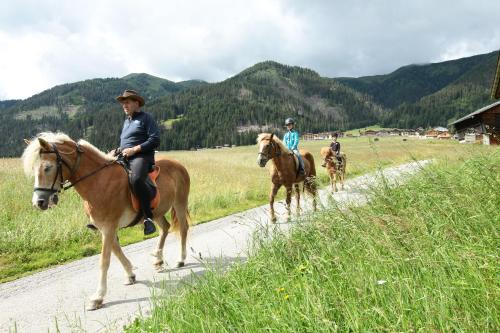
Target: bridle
273	145
60	162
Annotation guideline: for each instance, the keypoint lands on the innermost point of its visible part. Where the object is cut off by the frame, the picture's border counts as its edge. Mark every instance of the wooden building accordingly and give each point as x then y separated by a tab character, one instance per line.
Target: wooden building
436	132
321	136
484	123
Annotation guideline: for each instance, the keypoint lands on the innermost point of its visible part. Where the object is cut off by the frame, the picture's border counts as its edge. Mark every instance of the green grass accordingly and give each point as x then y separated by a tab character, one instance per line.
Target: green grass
422	257
169	122
359	130
223	181
47	111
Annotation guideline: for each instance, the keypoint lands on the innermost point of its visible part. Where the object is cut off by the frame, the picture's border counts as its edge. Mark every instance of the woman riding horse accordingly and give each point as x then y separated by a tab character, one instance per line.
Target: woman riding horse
283	171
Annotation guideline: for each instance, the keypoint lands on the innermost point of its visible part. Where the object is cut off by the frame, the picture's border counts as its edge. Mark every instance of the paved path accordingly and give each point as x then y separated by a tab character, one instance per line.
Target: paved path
55	298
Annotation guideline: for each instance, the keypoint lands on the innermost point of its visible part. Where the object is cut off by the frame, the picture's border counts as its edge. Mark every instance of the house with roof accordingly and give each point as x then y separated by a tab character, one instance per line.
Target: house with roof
483	124
436	132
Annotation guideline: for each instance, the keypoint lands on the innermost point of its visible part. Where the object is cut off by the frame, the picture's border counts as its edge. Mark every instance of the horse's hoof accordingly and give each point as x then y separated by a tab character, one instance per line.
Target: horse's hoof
273	219
130	280
158	265
94	304
180	264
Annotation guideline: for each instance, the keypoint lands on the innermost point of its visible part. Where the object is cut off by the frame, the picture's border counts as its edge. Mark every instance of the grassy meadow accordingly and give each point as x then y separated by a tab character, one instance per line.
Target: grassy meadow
223	181
422	257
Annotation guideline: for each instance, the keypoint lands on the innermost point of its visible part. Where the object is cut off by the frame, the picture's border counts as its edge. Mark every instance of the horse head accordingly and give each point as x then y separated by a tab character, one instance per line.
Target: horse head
43	158
268	149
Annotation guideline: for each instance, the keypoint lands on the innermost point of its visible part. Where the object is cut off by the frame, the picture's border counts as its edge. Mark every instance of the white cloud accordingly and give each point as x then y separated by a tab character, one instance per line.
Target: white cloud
45	43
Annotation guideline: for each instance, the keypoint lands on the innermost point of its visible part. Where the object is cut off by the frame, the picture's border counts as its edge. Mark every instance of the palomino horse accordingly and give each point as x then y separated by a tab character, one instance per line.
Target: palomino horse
284	172
334	170
55	159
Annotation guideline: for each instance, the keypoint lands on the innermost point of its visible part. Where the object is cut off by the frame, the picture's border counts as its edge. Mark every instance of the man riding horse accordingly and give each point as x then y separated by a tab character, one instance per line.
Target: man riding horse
138	140
291	140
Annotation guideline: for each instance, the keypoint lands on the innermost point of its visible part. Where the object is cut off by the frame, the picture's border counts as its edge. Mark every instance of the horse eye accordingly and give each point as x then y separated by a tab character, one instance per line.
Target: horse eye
47	168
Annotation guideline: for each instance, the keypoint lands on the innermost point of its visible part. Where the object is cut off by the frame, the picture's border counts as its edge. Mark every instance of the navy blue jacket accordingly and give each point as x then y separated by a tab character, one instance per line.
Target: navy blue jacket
140	129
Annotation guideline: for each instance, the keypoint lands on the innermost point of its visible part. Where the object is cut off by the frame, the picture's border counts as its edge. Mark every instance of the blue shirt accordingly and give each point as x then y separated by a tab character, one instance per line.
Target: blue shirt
140	129
291	139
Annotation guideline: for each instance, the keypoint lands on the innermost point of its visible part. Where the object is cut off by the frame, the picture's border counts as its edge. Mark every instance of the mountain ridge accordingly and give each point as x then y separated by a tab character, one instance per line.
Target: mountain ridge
197	113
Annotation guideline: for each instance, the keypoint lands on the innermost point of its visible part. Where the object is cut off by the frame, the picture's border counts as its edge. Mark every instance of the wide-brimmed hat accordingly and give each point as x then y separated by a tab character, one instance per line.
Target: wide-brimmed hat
131	94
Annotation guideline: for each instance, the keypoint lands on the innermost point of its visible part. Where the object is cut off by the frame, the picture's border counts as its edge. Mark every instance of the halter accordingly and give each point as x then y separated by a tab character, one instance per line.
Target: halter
66	184
277	152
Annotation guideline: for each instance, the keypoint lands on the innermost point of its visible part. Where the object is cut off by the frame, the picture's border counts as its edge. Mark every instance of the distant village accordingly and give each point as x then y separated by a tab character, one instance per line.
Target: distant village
480	126
434	133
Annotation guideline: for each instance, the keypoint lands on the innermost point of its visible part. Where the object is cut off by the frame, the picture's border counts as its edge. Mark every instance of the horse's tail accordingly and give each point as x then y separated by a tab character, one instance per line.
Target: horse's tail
308	156
175	224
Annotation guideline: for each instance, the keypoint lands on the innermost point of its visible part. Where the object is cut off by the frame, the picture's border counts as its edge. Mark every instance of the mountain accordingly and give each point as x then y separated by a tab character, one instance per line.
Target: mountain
257	99
431	94
90	94
196	113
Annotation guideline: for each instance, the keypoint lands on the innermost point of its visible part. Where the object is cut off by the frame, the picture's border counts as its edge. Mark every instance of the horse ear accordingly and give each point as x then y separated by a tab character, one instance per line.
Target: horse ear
44	144
272	134
27	142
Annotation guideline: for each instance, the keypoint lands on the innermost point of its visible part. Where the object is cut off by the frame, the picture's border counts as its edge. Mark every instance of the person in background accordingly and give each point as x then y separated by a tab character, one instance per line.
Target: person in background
335	147
291	140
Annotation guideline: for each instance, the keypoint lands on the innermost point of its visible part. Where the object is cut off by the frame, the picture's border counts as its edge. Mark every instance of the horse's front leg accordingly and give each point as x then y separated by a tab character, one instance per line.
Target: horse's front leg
127	266
288	201
108	237
297	198
274	191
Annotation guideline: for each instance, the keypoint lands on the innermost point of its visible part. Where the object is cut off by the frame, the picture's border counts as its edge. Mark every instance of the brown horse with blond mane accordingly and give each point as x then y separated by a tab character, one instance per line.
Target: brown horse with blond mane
333	169
284	171
55	160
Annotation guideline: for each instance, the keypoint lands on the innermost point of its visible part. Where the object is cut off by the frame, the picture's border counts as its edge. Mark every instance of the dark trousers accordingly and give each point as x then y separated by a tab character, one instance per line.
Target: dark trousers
140	167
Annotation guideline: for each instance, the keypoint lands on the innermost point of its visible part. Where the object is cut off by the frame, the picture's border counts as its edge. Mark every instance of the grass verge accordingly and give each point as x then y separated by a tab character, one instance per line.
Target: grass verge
422	257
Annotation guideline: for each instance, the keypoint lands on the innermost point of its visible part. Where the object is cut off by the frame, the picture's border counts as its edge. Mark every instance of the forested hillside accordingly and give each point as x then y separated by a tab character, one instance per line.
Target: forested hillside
198	114
431	94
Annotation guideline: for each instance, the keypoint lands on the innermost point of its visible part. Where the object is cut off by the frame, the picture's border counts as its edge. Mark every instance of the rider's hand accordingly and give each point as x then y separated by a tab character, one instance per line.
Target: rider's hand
115	152
128	152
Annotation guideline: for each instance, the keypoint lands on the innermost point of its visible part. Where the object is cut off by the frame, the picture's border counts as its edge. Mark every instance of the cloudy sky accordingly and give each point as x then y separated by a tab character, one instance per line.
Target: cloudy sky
44	43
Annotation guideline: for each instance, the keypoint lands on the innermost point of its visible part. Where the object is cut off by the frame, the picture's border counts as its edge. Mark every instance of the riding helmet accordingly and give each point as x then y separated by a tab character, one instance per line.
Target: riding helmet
289	121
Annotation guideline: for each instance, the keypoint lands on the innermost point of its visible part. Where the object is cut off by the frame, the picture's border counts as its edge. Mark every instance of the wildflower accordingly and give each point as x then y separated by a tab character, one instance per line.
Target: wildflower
381	282
286	296
280	290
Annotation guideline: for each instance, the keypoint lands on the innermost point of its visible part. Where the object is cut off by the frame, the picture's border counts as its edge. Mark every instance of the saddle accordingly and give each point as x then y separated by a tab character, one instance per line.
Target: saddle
339	161
150	182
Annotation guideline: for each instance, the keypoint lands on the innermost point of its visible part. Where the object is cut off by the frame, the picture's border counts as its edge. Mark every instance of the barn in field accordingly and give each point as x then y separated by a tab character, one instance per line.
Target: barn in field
483	123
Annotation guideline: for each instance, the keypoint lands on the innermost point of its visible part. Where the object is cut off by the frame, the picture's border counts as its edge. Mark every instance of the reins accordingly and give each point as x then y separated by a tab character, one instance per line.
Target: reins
67	184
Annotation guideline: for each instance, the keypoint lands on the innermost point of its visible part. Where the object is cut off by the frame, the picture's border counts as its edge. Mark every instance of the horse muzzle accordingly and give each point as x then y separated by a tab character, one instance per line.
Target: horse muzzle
44	201
261	161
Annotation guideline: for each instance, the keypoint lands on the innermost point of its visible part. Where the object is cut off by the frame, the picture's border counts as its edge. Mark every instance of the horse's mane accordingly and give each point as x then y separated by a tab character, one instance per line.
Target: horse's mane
31	154
267	136
325	151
